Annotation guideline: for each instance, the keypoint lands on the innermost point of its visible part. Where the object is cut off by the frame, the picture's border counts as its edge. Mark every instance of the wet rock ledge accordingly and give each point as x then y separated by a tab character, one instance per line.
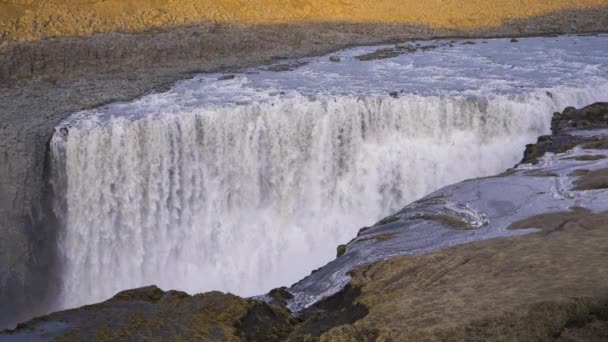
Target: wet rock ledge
521	256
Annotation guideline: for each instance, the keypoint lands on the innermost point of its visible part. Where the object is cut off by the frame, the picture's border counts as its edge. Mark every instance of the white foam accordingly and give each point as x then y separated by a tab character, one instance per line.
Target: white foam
230	185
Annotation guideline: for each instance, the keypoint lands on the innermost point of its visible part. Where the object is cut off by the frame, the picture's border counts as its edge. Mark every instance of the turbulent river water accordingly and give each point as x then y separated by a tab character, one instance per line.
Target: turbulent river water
248	181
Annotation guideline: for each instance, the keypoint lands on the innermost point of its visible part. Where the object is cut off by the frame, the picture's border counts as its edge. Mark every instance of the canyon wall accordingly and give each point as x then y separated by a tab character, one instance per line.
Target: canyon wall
58	57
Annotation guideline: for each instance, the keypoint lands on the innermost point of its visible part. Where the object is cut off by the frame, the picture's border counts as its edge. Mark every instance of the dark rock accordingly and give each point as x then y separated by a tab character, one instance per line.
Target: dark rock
394	94
379	54
150	294
429	47
547	143
280	296
264	322
514	40
593	116
339	309
335	58
226	77
286	66
406	48
590	117
340	251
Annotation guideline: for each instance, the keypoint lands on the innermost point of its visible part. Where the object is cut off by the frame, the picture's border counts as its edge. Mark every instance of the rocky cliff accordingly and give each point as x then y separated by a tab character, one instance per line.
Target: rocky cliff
546	283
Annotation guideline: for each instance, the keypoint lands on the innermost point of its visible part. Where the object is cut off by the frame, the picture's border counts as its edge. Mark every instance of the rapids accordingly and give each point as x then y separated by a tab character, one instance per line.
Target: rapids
246	183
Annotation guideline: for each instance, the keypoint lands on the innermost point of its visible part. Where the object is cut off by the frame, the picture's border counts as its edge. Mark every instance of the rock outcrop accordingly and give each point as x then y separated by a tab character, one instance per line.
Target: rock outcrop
545	279
594	116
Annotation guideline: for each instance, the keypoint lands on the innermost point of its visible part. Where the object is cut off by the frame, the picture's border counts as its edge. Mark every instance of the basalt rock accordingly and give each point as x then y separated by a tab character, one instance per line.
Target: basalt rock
562	124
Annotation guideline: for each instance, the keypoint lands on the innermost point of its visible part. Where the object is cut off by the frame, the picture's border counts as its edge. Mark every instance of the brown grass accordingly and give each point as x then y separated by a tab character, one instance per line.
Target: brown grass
32	19
450	221
530	288
542	174
579	172
586	157
592	180
597	145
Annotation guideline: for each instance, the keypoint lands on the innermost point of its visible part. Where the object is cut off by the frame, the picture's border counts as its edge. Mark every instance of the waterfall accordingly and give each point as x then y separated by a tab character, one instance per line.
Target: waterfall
244	198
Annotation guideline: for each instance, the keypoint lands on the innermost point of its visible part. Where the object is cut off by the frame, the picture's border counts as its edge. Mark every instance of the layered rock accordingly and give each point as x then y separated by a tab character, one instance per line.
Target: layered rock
432	271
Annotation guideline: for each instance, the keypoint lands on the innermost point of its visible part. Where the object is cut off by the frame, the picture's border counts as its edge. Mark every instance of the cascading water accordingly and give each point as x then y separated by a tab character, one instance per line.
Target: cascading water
191	193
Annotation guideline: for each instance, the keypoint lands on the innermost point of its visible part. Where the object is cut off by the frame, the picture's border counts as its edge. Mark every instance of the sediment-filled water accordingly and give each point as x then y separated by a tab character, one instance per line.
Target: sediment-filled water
249	182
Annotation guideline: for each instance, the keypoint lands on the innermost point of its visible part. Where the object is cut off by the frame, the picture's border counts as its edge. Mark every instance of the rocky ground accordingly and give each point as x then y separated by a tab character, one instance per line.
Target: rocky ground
544	280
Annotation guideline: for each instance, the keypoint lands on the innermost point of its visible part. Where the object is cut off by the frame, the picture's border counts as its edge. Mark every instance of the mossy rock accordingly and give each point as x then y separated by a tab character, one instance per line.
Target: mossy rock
340	251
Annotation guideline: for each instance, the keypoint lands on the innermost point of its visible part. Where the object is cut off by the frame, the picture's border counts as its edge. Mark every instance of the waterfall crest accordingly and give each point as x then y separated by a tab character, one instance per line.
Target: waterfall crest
245	198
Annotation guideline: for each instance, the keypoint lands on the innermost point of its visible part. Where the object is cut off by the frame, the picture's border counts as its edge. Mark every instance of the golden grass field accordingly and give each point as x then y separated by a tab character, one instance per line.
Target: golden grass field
34	19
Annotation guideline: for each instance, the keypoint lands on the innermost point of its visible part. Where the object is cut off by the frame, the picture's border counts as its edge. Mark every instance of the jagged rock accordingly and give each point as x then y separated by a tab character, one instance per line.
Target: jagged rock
280	296
548	143
379	54
340	251
150	294
593	116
